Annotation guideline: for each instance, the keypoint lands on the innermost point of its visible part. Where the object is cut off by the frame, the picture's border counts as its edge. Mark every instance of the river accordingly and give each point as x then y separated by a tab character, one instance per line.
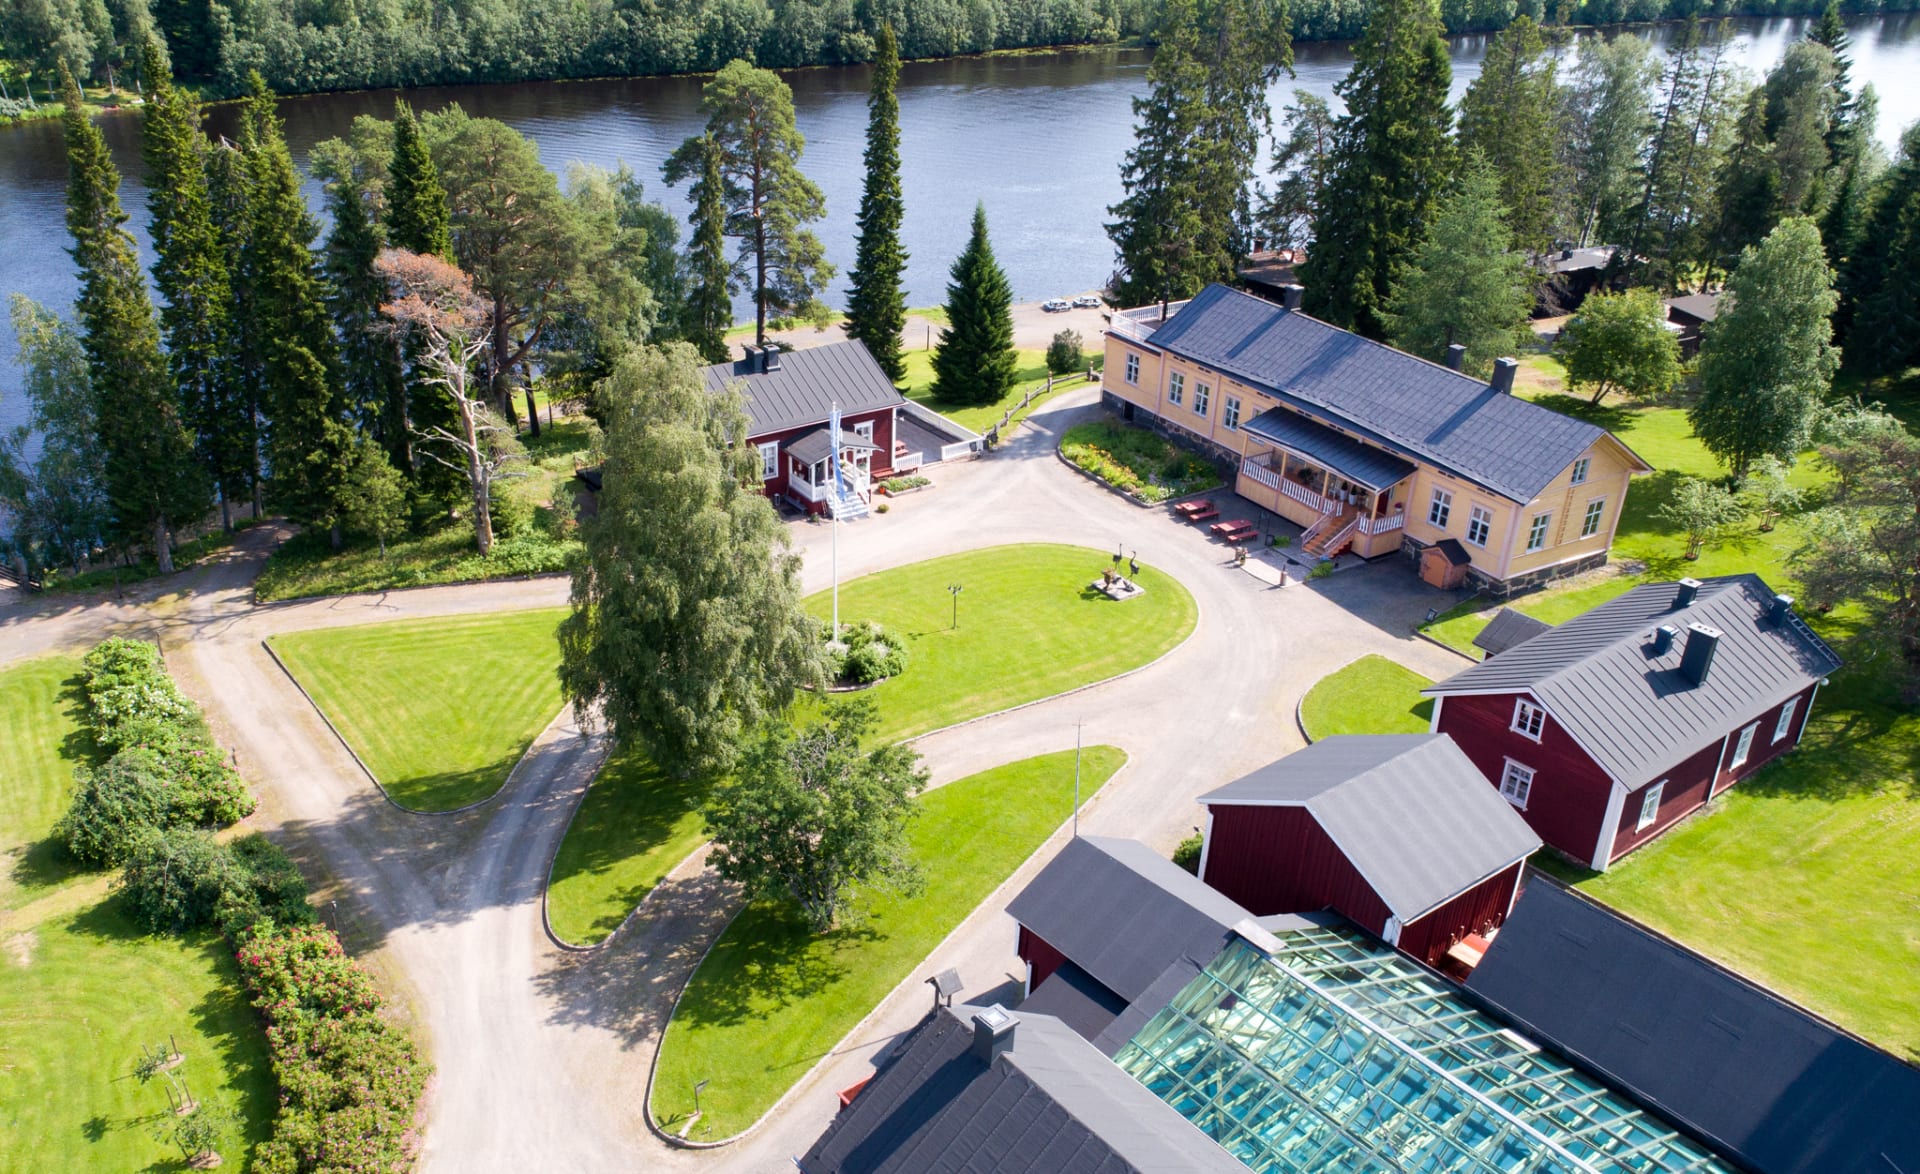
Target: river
1038	137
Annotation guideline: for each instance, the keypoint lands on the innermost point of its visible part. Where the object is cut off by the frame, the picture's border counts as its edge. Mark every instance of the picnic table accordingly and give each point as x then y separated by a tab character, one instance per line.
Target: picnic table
1236	530
1193	509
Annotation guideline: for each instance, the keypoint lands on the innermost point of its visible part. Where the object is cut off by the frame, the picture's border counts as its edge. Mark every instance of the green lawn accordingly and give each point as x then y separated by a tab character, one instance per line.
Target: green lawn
1030	627
1027	630
771	999
80	993
1031	371
1802	877
439	710
40	712
1372	695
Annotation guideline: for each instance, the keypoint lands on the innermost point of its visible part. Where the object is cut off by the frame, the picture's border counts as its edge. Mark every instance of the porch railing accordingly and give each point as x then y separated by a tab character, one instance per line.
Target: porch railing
1383	525
1305	496
1260	472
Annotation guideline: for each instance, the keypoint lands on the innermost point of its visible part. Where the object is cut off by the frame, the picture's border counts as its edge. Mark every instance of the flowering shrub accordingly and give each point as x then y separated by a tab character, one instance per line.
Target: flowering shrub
863	654
1136	462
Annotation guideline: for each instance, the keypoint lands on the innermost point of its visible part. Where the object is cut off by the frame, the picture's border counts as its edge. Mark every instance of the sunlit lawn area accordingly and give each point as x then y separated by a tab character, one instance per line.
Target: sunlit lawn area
1803	877
1372	695
1028	630
771	998
1031	371
81	992
441	709
43	740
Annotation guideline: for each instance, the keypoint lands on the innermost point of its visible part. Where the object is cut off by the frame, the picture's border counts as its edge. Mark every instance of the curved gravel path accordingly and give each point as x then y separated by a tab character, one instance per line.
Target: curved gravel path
543	1054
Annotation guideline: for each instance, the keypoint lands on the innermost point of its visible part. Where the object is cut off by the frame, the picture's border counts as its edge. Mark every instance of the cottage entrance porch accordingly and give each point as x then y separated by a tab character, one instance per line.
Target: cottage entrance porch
1346	495
810	473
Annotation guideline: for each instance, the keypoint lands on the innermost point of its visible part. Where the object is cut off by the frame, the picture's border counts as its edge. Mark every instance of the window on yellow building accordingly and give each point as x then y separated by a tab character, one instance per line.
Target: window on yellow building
1230	414
1590	525
1479	525
1133	370
1201	393
1440	509
1537	533
1176	387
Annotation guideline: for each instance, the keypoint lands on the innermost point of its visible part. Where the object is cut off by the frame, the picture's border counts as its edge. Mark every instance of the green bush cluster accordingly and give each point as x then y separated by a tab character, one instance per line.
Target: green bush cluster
165	770
1187	853
1137	462
902	484
181	879
1066	353
863	654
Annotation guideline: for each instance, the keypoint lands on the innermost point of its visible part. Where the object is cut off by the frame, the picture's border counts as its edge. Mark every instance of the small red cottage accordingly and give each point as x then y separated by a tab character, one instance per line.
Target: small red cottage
1396	832
790	397
1608	729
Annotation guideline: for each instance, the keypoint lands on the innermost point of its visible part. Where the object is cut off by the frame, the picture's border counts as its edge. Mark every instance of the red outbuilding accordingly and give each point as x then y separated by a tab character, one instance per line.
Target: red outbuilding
1608	729
1398	833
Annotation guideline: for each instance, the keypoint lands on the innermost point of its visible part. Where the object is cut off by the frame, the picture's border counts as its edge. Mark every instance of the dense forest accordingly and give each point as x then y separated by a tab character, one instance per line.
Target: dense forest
312	45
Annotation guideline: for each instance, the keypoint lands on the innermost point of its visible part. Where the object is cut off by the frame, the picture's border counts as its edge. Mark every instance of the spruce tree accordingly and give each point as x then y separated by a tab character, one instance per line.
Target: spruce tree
1880	311
190	273
309	444
152	478
1464	283
876	305
1511	115
1748	187
229	193
1391	159
1844	226
374	384
709	308
974	362
417	217
1610	115
1668	227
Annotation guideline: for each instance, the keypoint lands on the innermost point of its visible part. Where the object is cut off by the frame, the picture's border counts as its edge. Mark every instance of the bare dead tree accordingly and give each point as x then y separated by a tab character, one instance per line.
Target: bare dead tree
452	328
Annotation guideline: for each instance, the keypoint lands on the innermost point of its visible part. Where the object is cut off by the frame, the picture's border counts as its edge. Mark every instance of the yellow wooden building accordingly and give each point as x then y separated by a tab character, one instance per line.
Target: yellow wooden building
1370	449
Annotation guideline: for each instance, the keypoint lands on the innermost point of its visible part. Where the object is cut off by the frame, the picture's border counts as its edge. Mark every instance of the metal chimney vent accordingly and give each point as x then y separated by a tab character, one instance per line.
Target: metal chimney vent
1780	609
770	358
1689	591
1290	296
1663	638
992	1033
1503	370
1697	658
1456	357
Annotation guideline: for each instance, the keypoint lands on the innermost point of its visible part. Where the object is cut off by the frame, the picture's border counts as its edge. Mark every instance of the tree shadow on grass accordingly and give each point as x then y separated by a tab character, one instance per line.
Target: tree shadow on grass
448	790
1614	417
43	864
1848	751
767	960
632	809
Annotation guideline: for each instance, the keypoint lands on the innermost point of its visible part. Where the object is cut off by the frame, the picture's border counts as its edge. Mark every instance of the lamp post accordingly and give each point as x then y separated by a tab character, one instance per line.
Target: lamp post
954	590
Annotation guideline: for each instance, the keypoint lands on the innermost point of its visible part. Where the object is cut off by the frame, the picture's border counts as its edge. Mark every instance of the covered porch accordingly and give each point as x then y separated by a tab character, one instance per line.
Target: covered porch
810	468
1344	494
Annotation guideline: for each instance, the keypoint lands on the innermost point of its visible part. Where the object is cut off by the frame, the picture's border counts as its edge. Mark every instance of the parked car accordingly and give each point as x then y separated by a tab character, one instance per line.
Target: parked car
1087	302
1056	305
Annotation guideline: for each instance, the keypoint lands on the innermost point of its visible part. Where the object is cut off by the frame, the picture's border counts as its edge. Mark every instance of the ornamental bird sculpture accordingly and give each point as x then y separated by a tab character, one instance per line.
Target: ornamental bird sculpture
1133	564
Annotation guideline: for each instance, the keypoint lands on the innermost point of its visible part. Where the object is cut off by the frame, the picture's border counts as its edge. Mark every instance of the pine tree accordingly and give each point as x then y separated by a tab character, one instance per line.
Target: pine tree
1464	283
152	478
308	444
1391	160
1766	361
373	382
1299	170
1511	115
709	309
974	362
417	219
1669	222
1611	118
1748	187
876	305
190	273
229	194
1880	313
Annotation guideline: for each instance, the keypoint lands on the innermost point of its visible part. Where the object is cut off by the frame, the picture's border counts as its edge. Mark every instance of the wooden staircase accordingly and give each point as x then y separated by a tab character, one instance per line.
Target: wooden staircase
1332	534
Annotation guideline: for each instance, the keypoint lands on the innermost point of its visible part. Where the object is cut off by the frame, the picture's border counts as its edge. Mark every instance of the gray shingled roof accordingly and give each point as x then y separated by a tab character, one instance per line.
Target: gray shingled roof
809	447
1408	405
805	387
1701	306
1122	912
1508	628
1411	813
1634	712
1755	1076
1357	462
1051	1105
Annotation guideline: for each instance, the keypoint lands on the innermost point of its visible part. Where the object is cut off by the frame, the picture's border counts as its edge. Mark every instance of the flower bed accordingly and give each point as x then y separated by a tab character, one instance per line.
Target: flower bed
1140	464
906	484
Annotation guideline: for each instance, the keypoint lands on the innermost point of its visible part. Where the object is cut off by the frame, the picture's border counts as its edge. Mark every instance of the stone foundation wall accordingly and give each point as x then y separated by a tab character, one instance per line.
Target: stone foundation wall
1480	581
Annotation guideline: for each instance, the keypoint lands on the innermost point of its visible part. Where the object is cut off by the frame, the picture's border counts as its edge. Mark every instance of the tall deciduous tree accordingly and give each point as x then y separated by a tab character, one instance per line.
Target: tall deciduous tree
709	310
152	477
810	816
57	500
1299	171
418	219
769	202
1881	310
190	273
1609	115
975	360
1865	545
1511	115
308	441
1464	283
876	305
1392	158
686	629
1620	342
1767	358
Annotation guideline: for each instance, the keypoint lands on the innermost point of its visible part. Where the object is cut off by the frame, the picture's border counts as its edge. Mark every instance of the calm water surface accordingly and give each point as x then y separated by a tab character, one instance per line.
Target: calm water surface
1037	137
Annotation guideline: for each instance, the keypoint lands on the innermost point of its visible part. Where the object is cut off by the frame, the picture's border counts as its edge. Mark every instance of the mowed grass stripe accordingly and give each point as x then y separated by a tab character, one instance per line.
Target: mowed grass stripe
771	998
440	710
1373	695
42	739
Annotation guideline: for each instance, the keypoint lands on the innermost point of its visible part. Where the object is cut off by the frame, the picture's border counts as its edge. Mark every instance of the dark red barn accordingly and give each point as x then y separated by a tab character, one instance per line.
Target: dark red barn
1608	729
1396	832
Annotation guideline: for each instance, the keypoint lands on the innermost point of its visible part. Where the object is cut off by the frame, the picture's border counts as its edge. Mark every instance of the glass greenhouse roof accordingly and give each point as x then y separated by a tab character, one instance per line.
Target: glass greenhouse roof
1337	1054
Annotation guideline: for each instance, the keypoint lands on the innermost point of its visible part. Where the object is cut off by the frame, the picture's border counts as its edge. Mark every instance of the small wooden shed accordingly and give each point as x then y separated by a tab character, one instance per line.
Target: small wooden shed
1444	564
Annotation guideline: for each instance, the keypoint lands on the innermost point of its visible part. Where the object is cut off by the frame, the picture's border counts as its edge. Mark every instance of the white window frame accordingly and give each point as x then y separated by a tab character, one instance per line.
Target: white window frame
1743	748
1516	783
1481	517
1580	468
1133	370
1529	720
1439	509
1650	806
1230	413
1201	394
1537	531
1590	523
769	460
1783	725
1176	387
864	430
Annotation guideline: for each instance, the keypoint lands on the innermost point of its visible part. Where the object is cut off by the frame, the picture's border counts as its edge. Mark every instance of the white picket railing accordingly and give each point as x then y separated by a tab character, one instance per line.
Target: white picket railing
1383	525
1260	472
1305	496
